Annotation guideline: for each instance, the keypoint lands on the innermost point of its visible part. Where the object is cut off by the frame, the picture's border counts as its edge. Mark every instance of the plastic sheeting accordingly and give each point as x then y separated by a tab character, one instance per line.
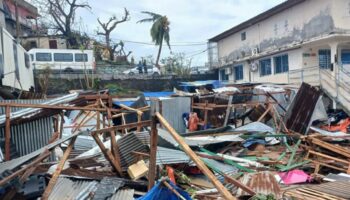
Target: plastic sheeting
160	192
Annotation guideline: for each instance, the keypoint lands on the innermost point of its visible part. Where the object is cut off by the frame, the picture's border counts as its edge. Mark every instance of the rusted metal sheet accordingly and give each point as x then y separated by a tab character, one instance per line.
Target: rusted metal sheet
338	190
299	113
261	183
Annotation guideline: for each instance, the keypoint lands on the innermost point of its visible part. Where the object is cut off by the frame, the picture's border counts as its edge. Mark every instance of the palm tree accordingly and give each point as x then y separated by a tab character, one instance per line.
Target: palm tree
159	30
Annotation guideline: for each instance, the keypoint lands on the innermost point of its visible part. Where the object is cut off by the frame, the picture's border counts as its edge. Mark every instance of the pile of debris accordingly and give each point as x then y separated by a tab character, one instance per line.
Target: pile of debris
231	142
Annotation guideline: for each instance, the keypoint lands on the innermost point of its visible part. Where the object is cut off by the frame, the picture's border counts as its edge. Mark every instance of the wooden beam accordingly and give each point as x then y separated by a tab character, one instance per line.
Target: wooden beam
221	188
108	155
153	153
44	155
8	133
58	170
121	127
239	184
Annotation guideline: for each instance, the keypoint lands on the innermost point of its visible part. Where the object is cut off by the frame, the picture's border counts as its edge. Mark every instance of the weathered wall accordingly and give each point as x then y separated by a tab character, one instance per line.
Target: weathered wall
63	85
304	21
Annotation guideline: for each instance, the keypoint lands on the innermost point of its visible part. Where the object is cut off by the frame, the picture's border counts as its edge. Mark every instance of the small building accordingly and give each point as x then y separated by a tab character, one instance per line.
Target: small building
27	15
44	42
291	37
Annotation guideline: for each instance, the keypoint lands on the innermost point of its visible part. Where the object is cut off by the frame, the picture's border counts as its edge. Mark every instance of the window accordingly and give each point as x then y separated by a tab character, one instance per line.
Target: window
81	57
238	72
265	67
43	57
53	44
33	44
324	58
243	36
345	56
26	60
63	57
223	75
281	64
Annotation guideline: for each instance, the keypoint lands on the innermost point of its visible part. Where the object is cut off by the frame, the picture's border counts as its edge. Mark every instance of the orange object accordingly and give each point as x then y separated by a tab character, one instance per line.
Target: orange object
171	174
343	126
193	122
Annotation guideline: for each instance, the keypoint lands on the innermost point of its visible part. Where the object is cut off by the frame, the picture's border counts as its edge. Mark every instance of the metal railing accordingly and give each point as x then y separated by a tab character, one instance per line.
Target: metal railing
334	83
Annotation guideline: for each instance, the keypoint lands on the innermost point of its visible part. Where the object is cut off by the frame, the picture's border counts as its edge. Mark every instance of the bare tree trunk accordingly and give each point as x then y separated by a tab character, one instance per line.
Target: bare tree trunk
159	52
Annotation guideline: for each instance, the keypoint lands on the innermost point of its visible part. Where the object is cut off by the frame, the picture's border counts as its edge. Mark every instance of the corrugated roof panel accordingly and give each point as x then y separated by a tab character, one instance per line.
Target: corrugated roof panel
107	187
67	189
124	194
30	136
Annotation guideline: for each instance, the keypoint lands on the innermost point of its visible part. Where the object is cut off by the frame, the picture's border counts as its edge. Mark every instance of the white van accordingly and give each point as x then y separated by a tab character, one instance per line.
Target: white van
67	60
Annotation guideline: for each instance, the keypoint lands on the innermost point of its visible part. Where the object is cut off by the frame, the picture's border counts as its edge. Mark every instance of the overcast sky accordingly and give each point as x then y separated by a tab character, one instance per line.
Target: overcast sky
191	21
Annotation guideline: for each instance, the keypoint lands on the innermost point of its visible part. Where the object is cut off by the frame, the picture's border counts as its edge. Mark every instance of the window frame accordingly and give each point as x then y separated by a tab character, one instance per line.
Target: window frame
241	72
64	59
345	51
243	36
40	60
261	62
324	58
284	69
83	55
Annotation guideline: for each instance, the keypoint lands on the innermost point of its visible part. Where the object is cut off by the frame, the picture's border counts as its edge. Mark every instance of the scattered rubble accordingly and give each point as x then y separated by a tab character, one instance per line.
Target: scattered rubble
204	141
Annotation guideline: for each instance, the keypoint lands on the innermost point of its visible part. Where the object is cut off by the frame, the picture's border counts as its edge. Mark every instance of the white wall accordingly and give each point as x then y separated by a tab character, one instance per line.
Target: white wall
26	77
304	21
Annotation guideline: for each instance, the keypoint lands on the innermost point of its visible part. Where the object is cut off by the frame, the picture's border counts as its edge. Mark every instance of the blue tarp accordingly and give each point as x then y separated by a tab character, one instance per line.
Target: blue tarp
160	192
158	94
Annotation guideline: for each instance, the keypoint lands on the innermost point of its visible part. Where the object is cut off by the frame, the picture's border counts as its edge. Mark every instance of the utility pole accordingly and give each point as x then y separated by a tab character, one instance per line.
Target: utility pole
17	21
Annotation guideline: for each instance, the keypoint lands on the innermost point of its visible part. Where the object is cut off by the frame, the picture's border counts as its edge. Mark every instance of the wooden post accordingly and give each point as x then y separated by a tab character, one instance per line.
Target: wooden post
108	155
98	120
228	110
139	119
8	133
61	125
153	153
224	192
58	170
206	114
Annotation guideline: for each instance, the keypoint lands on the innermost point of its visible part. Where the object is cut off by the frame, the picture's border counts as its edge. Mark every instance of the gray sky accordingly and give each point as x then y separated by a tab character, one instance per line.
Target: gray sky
191	21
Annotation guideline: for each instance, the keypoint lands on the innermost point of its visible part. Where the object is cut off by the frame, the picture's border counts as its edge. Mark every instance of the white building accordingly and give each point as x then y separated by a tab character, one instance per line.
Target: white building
291	36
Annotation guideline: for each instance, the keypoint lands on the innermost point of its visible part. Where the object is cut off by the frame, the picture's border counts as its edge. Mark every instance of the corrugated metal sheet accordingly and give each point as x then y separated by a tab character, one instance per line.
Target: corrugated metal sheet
30	136
199	141
261	183
172	110
299	113
171	156
222	167
107	187
9	165
27	112
67	189
128	144
125	194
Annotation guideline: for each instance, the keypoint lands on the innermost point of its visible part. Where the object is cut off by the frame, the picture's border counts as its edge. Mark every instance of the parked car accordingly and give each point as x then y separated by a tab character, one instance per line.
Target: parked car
150	70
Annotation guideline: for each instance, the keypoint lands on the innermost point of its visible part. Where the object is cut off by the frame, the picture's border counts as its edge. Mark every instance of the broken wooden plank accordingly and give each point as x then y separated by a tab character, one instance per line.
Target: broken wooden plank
58	170
221	188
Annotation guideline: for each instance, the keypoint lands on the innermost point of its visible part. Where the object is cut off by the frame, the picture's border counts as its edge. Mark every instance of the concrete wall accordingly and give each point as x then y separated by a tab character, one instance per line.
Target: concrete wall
62	85
43	42
301	22
290	29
